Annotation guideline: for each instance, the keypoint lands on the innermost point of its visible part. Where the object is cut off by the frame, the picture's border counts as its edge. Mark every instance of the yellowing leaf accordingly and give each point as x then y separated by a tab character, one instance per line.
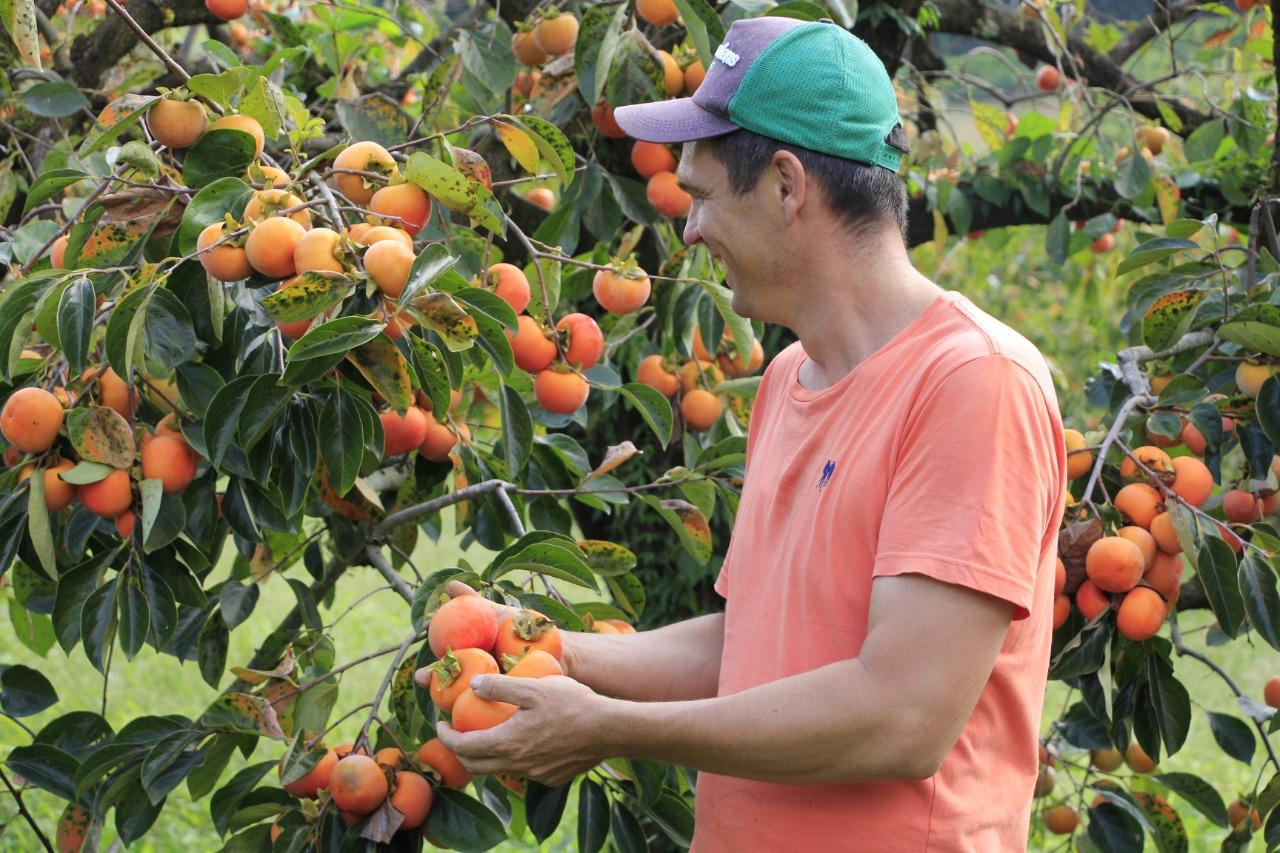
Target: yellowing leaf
100	434
380	362
445	316
521	146
613	457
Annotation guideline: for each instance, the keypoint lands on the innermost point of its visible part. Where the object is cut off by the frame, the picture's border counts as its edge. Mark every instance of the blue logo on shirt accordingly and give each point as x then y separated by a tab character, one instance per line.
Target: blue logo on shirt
827	471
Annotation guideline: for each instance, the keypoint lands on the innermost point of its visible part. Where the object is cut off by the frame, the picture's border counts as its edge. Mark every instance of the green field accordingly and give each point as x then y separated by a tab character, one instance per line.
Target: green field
1071	313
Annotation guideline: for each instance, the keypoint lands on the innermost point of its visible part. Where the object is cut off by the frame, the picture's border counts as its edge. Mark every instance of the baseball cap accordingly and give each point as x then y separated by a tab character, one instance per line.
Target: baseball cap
812	84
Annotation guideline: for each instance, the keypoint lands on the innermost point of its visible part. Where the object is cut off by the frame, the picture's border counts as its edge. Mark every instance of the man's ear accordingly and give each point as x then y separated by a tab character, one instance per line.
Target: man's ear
791	183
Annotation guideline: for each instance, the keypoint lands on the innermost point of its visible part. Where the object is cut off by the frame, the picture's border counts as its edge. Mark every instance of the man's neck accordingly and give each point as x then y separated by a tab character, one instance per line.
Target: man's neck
858	301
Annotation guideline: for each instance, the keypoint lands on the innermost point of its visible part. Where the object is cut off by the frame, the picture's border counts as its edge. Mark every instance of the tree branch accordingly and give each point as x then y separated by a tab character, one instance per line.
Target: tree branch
1005	26
99	50
1161	20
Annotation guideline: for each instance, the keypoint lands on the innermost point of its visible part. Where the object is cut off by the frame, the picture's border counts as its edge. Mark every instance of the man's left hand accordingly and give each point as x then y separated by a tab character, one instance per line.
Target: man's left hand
554	737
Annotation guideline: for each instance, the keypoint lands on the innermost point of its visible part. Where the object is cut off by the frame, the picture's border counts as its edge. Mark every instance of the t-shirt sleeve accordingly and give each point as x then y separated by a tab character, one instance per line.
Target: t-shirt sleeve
975	484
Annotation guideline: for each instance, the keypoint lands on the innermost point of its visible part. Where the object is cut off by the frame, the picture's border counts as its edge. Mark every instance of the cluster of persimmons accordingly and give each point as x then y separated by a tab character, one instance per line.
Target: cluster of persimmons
468	638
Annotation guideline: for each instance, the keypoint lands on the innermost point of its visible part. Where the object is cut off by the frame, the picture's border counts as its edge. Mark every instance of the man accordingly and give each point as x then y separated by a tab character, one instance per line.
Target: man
876	680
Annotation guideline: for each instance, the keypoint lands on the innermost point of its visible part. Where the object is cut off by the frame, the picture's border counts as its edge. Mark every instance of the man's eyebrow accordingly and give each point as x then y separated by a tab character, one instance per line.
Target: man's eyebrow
689	186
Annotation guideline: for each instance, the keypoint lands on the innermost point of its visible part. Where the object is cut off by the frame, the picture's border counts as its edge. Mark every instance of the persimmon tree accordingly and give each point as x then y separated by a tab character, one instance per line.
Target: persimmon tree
284	285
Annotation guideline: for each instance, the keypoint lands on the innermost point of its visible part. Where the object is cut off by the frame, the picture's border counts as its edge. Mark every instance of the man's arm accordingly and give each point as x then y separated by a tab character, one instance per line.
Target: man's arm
680	661
895	711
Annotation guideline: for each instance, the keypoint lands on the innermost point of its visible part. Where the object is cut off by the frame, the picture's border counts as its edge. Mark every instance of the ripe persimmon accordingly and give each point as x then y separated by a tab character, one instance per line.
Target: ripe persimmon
700	409
124	523
1193	438
402	433
440	440
1061	819
389	756
650	158
1250	376
534	664
733	366
1079	459
1153	458
168	458
526	49
672	76
377	233
1138	760
531	345
556	33
357	784
223	261
620	293
412	798
227	10
1061	610
699	374
623	627
471	713
274	202
443	765
271	245
108	497
525	631
1145	541
1090	600
1107	760
560	392
602	118
1141	614
1271	692
58	493
452	674
1059	576
584	342
694	73
511	285
176	124
1048	78
1241	507
58	253
1237	812
665	195
1114	564
363	156
1192	481
652	371
1165	576
541	197
316	780
388	263
409	203
1140	503
465	622
244	124
657	12
1163	532
318	251
31	419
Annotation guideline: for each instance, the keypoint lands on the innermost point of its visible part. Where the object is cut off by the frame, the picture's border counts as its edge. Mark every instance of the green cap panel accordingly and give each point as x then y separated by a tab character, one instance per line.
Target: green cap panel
821	87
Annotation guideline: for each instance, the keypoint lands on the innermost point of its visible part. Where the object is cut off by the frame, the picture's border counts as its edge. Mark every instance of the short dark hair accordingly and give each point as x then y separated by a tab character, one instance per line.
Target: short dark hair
859	194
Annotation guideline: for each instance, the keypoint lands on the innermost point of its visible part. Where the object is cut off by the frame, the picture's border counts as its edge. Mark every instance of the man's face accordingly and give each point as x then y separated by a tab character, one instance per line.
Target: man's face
743	233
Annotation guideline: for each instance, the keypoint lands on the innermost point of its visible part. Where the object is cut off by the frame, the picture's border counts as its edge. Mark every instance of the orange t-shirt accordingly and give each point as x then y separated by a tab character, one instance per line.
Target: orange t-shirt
941	454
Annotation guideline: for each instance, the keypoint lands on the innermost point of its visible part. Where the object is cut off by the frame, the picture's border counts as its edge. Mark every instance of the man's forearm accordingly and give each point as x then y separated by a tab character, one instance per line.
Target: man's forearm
680	661
832	724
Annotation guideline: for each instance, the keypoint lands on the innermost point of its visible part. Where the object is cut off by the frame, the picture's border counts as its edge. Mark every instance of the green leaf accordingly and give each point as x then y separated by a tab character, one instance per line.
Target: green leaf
265	102
237	601
45	767
341	434
552	144
653	407
593	816
1205	141
382	365
57	99
134	614
517	431
672	813
442	182
120	115
225	87
38	526
1234	736
312	294
24	691
1256	328
1171	702
223	416
1152	251
461	823
607	559
49	184
1216	563
704	27
211	204
374	117
553	558
430	264
544	807
637	75
335	336
169	335
211	649
1261	600
1133	175
1199	793
597	43
221	153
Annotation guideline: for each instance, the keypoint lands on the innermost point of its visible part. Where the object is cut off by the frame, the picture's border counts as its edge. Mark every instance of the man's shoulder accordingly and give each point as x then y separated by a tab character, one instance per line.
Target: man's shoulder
972	335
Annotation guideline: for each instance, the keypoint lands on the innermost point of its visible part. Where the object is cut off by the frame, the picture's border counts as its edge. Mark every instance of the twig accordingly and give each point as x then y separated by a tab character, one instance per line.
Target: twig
22	809
307	685
382	688
384	568
149	41
413	513
66	226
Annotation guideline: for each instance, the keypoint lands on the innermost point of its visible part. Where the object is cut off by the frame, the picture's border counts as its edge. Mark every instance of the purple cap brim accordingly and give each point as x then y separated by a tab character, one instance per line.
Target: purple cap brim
677	120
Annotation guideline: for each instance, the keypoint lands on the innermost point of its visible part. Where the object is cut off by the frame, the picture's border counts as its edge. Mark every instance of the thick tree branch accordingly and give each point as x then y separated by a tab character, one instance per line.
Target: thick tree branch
1006	27
96	52
1161	20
